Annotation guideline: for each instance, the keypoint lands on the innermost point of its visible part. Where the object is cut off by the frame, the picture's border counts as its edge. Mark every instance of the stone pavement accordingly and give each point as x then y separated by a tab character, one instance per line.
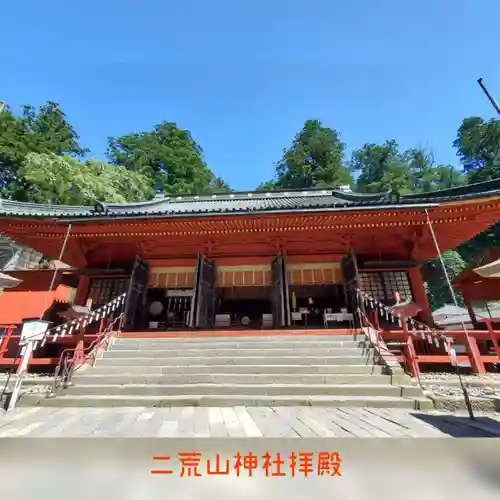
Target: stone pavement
206	422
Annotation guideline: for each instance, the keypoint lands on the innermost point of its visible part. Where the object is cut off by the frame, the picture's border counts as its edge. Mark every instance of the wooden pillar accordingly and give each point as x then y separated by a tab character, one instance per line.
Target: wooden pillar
472	314
493	337
474	355
420	296
411	356
82	290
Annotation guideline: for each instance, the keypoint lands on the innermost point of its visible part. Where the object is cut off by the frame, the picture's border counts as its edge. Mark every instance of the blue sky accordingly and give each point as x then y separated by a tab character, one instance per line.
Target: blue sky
243	76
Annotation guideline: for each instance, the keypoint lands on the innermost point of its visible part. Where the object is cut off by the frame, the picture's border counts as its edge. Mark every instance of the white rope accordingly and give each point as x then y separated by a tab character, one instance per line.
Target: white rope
454	297
446	275
54	275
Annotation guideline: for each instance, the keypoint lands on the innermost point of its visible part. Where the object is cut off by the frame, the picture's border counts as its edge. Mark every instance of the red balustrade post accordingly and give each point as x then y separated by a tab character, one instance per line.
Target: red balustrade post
474	355
493	337
5	340
412	358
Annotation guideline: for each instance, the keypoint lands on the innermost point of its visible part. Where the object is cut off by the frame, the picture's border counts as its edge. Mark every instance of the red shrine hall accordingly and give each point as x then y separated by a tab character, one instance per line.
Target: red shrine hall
241	261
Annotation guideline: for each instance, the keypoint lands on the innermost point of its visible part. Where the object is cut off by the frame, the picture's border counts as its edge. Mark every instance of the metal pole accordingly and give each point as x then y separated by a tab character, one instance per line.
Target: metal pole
455	301
488	95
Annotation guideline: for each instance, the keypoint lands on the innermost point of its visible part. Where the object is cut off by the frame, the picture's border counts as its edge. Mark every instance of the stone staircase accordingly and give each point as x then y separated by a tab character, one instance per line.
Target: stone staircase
280	370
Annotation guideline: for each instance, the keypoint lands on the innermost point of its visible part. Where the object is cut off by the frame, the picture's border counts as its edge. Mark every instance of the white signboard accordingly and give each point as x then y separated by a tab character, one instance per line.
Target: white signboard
33	331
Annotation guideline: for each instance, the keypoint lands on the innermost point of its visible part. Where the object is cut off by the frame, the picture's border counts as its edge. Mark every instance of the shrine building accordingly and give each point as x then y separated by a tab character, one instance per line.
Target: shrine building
250	260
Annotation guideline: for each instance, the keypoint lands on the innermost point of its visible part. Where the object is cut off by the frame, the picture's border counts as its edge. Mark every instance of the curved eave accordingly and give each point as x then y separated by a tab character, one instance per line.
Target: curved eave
271	202
221	213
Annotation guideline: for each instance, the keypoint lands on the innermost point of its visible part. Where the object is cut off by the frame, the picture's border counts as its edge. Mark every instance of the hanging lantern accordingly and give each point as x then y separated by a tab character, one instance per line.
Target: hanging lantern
436	341
399	322
429	338
386	313
422	334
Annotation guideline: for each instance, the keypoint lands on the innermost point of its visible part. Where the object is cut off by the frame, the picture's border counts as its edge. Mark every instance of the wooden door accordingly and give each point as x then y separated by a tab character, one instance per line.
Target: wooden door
351	284
281	306
135	304
286	292
204	303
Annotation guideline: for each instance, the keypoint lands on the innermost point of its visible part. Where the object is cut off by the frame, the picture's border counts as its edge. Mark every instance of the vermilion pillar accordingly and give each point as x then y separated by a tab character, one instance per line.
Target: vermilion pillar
420	296
82	290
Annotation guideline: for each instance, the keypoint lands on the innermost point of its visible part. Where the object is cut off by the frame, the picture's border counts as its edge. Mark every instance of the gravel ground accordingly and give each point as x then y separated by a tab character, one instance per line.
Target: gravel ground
31	387
447	384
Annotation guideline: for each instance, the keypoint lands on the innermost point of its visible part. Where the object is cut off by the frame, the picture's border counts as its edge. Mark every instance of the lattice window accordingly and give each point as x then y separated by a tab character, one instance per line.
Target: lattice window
237	278
397	281
171	278
372	284
320	275
104	290
381	286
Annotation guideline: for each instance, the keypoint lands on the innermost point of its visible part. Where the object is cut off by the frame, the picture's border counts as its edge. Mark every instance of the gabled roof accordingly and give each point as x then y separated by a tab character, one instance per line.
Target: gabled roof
251	202
484	265
491	270
450	310
454	320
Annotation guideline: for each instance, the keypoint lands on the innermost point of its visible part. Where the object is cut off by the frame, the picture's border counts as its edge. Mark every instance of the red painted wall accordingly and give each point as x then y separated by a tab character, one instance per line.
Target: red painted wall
31	299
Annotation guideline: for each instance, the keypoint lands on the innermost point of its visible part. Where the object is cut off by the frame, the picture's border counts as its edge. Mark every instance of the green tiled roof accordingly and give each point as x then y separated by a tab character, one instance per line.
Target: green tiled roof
250	202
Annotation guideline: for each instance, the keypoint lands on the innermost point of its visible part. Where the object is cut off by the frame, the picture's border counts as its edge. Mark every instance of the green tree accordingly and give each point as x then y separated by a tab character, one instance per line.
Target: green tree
167	155
422	169
426	175
315	159
42	130
380	168
447	176
218	185
68	181
478	146
437	287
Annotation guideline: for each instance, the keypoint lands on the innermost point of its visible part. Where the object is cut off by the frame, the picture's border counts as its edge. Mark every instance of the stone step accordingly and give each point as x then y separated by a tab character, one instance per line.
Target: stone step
147	369
243	339
229	353
244	389
232	378
224	401
219	360
166	345
281	339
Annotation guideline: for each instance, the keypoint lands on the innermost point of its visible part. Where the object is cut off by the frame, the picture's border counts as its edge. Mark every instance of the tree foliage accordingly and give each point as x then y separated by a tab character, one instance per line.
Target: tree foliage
380	168
66	180
168	156
438	290
478	146
315	159
383	167
42	130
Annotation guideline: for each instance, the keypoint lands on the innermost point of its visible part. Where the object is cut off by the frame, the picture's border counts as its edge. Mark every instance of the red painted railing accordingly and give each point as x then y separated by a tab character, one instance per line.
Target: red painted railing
423	345
8	330
73	359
